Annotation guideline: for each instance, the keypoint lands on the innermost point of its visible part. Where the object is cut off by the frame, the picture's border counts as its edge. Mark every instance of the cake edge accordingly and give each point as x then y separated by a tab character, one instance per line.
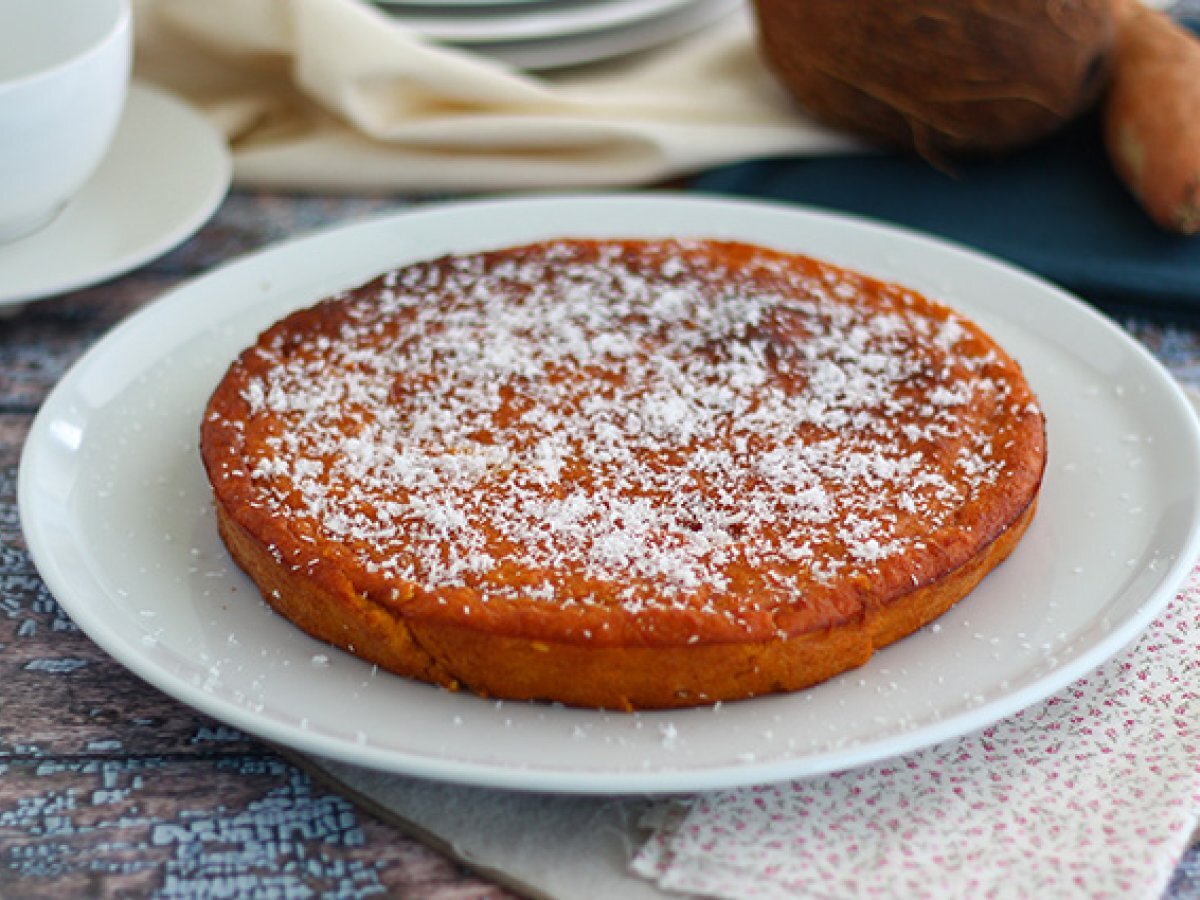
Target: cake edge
457	657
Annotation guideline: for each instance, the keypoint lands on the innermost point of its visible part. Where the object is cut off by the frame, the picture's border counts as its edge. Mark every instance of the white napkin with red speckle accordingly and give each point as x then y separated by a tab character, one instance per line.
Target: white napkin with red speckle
336	95
1094	792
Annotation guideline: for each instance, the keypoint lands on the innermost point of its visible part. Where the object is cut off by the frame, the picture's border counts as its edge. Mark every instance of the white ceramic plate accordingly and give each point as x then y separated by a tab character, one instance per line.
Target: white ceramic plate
597	46
466	9
163	177
117	515
533	23
468	6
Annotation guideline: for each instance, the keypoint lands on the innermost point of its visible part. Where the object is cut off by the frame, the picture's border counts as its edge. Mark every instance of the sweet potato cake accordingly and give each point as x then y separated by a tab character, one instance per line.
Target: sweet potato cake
625	474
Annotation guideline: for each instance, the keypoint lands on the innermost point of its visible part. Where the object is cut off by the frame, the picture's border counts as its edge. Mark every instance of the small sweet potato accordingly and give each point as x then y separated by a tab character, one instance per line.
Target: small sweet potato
1152	115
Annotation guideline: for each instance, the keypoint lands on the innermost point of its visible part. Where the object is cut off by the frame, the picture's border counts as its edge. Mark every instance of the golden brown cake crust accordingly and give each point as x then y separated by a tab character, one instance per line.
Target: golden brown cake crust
627	474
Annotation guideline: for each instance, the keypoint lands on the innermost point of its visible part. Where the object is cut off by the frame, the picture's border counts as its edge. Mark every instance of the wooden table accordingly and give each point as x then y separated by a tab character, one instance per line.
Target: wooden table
109	788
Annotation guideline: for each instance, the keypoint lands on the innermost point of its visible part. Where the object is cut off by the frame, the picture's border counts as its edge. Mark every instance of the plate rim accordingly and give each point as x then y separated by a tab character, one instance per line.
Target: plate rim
676	25
522	24
685	779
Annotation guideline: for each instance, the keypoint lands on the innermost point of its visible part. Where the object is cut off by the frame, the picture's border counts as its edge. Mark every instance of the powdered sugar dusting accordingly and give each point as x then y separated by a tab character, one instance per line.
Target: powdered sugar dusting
641	424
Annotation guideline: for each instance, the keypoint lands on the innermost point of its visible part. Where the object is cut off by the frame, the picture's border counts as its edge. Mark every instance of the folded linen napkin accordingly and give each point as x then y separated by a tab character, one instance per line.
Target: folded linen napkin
336	95
1094	792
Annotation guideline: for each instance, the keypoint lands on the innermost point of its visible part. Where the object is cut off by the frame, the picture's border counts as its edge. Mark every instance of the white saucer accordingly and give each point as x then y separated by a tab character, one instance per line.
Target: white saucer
164	175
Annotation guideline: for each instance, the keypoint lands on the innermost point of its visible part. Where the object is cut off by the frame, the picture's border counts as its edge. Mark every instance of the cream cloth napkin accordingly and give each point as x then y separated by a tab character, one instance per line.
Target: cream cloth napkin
336	95
1092	793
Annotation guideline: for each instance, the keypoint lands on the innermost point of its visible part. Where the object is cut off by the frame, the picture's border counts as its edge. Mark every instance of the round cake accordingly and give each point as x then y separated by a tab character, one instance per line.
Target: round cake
625	474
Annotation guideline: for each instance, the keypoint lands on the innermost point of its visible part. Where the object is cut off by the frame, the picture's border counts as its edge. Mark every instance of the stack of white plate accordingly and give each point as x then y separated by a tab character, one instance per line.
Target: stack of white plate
539	35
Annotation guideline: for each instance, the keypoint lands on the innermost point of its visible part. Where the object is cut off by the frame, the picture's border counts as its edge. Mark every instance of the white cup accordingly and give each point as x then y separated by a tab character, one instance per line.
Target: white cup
64	73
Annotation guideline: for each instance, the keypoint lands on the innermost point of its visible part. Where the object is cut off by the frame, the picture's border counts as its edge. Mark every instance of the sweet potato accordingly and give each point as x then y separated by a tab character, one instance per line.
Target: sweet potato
1151	115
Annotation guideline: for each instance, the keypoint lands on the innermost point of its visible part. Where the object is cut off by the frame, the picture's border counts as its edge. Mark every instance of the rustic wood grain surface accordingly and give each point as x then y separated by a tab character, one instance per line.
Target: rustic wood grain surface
109	788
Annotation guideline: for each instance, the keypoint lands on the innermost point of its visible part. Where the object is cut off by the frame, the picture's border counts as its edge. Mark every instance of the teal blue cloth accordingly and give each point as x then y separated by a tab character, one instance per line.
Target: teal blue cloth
1056	209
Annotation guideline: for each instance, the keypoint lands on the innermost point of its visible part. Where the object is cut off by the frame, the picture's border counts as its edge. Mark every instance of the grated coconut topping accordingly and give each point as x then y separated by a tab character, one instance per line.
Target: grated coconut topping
662	429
